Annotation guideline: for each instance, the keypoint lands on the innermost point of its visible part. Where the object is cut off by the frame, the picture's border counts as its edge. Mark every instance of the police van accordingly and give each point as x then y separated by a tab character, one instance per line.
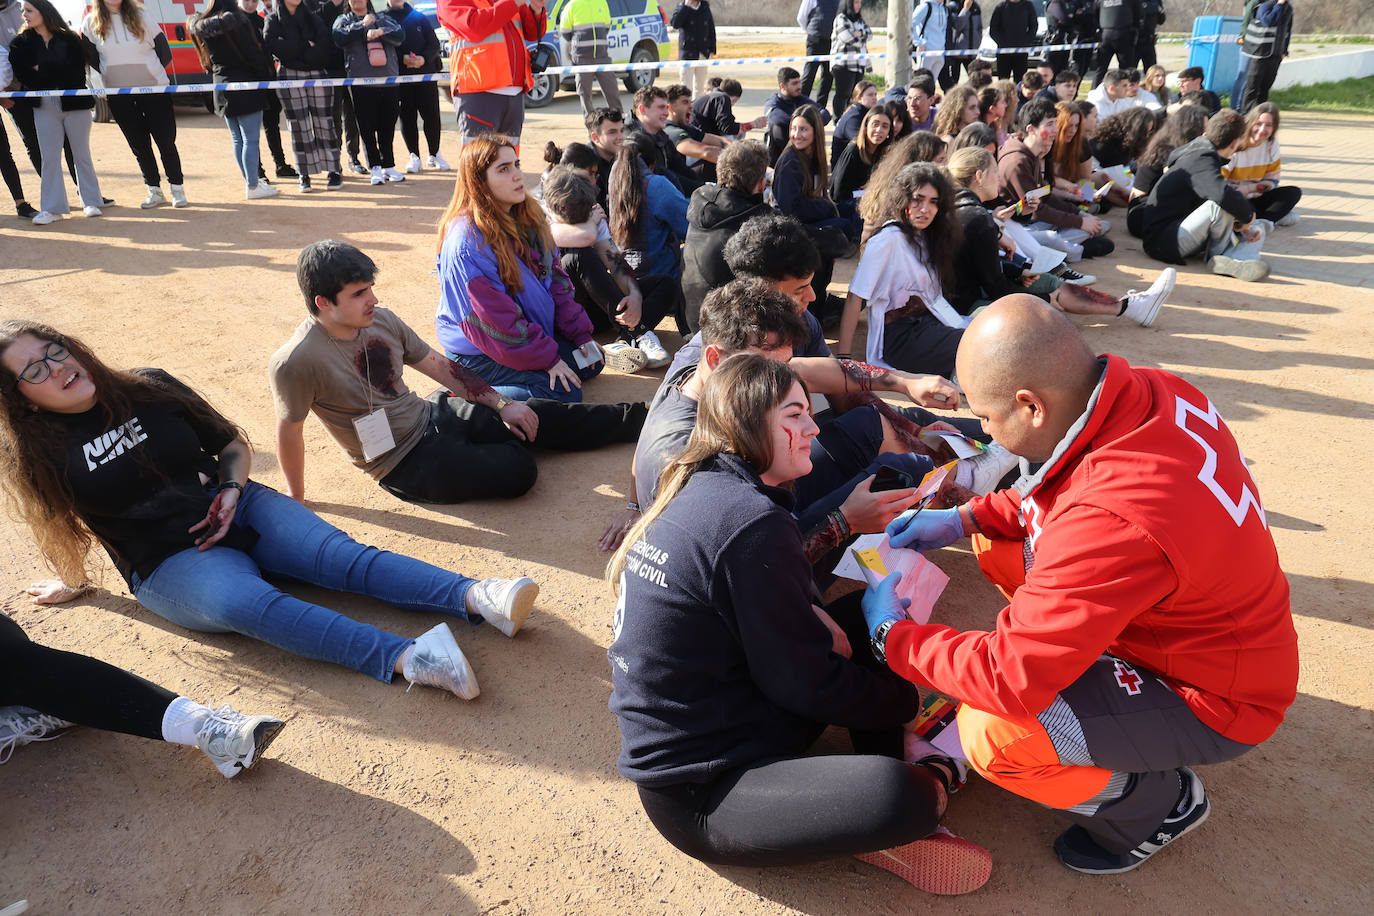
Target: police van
639	34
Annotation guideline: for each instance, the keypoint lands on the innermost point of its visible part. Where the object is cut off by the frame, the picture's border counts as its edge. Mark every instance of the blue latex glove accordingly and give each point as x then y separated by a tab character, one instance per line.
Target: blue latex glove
927	529
881	603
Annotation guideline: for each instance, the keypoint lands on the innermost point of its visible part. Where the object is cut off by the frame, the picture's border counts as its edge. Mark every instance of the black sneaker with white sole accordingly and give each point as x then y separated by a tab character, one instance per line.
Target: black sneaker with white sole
1078	850
1069	275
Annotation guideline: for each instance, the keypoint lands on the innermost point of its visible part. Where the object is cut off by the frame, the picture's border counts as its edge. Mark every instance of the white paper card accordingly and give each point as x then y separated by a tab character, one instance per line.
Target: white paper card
587	354
942	310
374	434
961	445
922	581
1046	260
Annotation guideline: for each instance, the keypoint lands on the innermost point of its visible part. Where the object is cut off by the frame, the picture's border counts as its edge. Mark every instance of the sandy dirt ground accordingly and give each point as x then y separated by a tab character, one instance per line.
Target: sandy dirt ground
375	799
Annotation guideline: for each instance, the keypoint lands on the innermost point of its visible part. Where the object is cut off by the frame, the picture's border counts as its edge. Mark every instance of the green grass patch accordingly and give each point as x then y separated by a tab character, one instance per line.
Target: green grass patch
1352	96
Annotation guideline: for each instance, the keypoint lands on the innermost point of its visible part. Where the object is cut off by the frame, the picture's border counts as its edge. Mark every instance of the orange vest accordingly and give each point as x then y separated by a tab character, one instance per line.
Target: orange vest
495	62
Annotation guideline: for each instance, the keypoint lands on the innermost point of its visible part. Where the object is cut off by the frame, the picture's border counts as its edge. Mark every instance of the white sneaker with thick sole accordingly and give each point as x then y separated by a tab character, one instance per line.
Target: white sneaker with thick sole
393	176
44	218
179	197
1143	307
622	357
439	163
413	165
1249	271
504	603
263	190
648	344
233	741
20	725
378	176
982	472
434	660
1288	219
92	211
154	199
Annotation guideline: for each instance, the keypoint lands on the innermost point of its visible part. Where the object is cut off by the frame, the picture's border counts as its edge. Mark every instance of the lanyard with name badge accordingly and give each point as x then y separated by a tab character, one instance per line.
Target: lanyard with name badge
372	428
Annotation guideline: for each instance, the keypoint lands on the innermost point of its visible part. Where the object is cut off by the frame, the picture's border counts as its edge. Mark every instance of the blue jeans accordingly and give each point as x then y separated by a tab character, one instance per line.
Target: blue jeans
221	590
1238	87
523	384
245	130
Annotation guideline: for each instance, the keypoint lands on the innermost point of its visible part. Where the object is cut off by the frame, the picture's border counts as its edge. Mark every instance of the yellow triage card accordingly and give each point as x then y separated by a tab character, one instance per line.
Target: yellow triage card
869	558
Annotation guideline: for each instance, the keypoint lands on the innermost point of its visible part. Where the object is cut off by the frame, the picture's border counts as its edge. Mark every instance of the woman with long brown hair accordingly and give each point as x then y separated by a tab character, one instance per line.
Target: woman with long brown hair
507	309
134	52
142	465
714	578
856	163
801	189
959	107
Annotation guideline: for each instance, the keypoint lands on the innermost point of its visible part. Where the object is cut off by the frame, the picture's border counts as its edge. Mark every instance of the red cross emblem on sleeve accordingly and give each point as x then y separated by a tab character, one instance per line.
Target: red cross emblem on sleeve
1127	678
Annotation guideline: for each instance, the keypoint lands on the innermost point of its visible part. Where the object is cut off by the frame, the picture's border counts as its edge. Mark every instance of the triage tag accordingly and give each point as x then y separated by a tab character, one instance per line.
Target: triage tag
587	354
869	558
1037	193
374	434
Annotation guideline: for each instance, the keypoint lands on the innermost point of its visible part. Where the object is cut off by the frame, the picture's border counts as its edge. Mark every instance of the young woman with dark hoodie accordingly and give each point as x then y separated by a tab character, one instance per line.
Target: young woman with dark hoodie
299	39
369	44
228	47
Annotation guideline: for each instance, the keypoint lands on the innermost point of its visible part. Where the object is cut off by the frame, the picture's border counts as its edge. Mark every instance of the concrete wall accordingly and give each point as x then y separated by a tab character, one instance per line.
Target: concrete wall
1328	69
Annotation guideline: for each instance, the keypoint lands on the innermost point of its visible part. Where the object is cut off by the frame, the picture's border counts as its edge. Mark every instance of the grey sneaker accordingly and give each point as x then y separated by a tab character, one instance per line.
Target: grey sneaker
1289	219
1143	307
20	725
988	468
623	357
504	603
436	661
1250	271
233	741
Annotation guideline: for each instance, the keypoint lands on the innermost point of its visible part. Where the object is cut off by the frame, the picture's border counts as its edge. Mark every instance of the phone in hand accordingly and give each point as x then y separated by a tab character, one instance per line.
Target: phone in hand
889	478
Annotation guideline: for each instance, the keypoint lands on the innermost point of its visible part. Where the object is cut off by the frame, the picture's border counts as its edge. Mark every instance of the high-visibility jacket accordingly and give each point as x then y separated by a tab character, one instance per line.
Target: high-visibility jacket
586	24
488	47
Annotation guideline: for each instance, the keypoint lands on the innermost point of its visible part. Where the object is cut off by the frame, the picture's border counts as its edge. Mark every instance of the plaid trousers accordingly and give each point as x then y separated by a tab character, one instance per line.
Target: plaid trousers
310	115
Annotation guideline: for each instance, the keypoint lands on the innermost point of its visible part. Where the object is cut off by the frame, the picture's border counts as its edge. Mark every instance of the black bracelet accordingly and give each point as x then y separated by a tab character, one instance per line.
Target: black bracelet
230	485
841	523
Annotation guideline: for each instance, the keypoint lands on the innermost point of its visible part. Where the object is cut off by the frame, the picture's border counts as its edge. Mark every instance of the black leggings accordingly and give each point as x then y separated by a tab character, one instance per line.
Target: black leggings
468	453
420	99
145	120
376	108
798	810
7	167
77	688
1276	203
597	292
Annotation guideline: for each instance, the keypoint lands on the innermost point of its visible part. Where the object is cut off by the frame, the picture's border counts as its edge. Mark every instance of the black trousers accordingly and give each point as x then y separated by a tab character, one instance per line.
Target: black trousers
271	126
23	119
598	293
1276	203
949	73
8	169
920	343
145	120
1012	66
1120	42
816	45
377	108
1260	80
422	100
77	688
1145	50
345	121
468	453
845	81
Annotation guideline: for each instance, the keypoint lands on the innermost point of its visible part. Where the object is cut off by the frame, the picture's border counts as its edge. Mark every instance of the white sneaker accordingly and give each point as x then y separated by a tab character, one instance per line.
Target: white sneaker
622	357
434	660
413	166
439	163
92	211
982	472
233	741
261	191
1291	218
154	199
504	603
179	197
1143	307
378	176
44	218
20	725
393	175
648	344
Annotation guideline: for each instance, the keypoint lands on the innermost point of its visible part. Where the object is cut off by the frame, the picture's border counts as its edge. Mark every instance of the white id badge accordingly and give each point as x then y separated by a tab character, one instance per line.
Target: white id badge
587	354
374	434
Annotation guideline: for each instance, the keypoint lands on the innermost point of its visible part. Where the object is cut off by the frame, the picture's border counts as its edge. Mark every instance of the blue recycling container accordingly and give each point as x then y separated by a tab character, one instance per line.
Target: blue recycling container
1214	47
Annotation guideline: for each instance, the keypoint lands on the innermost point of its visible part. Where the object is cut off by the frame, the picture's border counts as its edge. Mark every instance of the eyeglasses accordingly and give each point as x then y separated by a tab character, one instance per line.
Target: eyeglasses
36	373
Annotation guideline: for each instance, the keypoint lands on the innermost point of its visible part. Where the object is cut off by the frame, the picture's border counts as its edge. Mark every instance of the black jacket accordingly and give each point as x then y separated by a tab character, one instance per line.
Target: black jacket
718	661
696	30
1119	15
713	113
288	37
978	263
235	56
714	215
328	12
789	191
58	64
420	39
850	173
820	21
1013	24
1192	177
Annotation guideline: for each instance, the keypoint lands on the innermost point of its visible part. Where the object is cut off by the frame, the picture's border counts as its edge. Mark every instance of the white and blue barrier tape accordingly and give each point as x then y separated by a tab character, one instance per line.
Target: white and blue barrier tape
552	71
